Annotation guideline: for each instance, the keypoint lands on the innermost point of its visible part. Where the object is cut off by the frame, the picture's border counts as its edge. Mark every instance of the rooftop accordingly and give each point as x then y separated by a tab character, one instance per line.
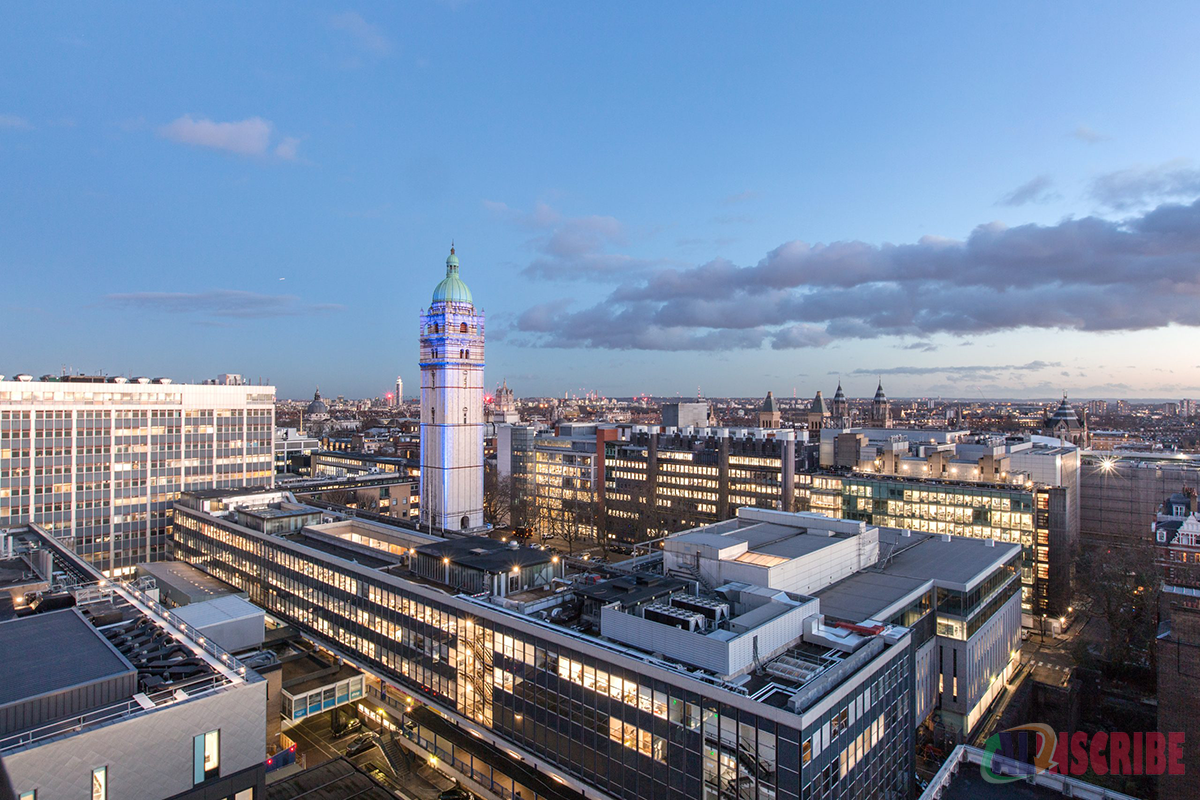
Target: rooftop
482	553
32	650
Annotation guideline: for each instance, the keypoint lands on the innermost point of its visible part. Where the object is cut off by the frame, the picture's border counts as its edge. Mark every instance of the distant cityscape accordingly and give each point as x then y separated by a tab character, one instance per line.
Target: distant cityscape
708	597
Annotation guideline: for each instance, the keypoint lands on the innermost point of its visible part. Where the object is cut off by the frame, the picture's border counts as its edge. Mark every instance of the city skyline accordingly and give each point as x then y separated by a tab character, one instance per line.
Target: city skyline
637	218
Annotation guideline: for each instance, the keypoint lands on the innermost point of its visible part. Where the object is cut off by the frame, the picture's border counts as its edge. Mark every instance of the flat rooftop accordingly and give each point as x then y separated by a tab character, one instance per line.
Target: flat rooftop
908	562
296	672
482	553
32	655
197	585
951	559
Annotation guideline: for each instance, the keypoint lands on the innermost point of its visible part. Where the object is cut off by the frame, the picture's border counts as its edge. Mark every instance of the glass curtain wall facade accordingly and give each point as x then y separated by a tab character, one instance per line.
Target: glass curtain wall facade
1036	517
99	464
630	728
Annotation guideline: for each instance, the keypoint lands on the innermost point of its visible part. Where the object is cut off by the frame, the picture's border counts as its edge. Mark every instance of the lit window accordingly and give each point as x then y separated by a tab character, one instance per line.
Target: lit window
100	783
206	762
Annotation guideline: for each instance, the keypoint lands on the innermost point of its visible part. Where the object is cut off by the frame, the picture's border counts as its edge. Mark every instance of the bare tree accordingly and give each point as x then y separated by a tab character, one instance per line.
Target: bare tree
497	496
338	497
366	501
1121	587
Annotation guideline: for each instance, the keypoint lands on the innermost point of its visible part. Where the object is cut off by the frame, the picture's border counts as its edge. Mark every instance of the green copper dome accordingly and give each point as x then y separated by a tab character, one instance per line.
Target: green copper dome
452	289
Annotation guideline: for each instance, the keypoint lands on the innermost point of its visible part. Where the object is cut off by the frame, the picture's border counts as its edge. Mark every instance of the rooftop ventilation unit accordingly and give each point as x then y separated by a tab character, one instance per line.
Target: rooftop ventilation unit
675	617
792	670
713	610
161	661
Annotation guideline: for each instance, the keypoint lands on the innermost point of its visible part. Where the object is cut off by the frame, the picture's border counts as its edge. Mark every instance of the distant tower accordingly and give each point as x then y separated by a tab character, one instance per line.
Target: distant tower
840	408
818	413
398	398
769	415
1065	424
452	407
881	410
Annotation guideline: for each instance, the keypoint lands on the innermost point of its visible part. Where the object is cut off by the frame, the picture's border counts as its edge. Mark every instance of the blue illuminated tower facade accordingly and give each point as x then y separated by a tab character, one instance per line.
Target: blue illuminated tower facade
452	407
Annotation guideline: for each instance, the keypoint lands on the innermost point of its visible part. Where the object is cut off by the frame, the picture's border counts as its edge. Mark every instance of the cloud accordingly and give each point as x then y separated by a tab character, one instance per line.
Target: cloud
1088	274
222	303
1085	134
571	248
13	122
1032	366
288	149
1138	187
1035	190
249	137
740	197
924	347
366	36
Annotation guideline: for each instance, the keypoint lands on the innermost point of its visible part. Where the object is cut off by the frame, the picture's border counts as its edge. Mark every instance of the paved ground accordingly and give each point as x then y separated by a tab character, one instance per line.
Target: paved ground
315	744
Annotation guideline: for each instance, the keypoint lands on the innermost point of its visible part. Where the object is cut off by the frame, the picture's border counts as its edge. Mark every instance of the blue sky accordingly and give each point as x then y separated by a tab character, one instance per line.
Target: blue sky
645	197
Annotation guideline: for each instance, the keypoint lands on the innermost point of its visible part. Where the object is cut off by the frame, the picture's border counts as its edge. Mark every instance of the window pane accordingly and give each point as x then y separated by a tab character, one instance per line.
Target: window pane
100	783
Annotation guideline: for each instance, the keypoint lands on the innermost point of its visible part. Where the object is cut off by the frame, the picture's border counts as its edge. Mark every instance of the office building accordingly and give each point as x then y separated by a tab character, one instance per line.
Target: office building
114	697
727	683
1037	517
98	461
452	339
293	450
566	478
1011	489
341	463
687	415
658	482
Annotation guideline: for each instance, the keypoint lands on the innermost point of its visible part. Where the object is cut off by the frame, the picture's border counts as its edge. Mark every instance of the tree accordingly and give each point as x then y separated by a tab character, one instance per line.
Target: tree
338	497
1121	587
366	501
497	496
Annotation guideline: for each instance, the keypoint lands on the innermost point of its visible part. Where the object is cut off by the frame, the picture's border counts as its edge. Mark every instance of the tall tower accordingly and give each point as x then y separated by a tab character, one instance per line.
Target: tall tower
398	398
452	407
839	408
881	410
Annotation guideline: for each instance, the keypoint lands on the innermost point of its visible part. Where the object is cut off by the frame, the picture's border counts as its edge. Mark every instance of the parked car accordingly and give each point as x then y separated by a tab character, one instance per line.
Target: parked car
457	793
361	744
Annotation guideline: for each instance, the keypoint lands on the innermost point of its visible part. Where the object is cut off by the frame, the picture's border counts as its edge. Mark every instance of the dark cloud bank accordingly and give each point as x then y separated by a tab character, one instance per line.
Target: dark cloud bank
1088	274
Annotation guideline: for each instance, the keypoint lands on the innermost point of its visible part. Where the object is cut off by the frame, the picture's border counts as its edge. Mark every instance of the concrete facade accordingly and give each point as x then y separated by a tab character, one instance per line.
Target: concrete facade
148	755
97	461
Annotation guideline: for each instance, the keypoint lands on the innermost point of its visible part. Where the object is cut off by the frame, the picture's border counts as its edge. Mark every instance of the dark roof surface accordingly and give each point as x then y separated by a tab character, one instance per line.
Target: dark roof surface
631	589
31	655
480	552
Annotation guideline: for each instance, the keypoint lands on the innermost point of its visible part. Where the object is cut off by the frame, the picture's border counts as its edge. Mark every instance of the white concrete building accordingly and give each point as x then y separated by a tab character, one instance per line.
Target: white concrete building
97	461
452	407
